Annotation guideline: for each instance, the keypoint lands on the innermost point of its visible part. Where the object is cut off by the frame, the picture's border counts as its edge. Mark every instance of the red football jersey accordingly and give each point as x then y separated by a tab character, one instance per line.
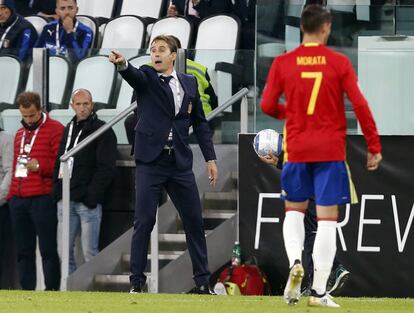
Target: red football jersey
313	79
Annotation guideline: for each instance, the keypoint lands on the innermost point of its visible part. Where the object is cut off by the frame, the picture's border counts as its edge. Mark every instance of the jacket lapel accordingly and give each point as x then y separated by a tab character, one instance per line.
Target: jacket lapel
184	102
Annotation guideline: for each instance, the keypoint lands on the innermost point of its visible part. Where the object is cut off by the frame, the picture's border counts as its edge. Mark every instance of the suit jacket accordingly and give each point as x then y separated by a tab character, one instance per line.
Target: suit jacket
205	7
156	117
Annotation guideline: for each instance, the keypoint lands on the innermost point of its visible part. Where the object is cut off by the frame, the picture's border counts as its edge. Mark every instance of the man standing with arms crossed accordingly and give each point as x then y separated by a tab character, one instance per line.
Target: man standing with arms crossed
168	104
313	79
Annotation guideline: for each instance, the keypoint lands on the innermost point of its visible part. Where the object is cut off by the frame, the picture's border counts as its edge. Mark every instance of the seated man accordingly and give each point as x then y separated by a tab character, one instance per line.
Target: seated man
45	8
17	36
66	36
198	9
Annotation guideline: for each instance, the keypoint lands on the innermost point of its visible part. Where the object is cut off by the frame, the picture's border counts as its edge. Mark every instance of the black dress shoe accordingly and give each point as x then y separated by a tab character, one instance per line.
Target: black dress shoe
204	290
136	289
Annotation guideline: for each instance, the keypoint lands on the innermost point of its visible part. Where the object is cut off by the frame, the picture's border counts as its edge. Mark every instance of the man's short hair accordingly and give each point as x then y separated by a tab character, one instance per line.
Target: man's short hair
177	41
172	44
76	1
313	17
29	98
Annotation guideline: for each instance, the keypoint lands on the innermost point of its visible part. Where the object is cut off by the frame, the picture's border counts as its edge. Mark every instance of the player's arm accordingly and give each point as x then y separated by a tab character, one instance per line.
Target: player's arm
364	116
271	94
361	109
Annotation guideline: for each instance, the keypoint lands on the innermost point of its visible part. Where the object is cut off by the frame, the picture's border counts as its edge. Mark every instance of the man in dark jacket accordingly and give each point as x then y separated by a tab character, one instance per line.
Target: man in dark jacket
17	36
44	8
92	170
168	104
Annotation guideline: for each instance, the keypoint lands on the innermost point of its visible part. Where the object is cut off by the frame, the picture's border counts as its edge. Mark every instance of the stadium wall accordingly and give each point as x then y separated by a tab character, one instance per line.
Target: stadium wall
375	239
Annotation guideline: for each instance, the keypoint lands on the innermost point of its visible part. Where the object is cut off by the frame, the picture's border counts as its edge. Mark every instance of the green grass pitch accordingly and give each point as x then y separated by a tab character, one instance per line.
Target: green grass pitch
105	302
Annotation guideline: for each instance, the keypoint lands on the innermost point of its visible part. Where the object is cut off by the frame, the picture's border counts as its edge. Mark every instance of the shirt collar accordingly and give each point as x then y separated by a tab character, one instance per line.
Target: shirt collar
173	74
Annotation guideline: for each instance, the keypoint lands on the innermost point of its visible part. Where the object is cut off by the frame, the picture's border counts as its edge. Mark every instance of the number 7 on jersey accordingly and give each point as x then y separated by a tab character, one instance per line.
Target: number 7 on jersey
317	76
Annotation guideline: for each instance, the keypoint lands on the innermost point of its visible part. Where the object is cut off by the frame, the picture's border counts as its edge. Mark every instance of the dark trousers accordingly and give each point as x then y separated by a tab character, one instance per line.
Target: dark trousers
31	217
4	220
311	226
182	188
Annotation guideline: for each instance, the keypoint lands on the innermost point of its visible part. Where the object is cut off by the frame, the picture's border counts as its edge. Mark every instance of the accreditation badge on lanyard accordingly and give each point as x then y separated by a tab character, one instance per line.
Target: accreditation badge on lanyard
71	160
21	163
24	154
5	43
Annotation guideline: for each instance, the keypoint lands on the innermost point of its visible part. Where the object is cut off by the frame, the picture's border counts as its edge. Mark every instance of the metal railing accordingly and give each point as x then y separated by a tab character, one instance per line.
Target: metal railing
242	94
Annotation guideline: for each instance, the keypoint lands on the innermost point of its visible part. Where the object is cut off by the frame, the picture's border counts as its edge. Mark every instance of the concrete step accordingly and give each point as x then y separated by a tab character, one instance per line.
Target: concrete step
220	201
218	214
164	257
172	242
112	282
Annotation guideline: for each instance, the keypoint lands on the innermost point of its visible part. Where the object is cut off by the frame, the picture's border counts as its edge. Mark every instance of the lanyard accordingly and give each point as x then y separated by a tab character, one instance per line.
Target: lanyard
57	34
70	138
7	31
28	148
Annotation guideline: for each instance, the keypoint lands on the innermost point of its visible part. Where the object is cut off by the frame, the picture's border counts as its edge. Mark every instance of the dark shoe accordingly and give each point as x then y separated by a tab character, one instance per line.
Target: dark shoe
203	290
337	280
136	289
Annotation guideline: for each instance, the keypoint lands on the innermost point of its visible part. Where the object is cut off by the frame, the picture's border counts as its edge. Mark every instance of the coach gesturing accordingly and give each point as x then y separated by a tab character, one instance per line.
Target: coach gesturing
168	104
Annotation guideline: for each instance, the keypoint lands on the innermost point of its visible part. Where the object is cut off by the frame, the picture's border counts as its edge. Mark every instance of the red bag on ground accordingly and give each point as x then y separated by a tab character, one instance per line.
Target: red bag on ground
249	278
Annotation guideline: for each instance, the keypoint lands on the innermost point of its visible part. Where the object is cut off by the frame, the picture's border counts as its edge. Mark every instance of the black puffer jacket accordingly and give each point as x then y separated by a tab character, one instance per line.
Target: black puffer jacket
94	166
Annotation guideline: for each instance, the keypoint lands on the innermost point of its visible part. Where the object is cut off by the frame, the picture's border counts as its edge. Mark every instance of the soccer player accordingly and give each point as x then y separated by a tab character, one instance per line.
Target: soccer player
313	79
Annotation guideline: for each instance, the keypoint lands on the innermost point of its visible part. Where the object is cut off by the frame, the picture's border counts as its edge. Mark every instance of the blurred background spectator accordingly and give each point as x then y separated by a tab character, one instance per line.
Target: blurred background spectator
17	36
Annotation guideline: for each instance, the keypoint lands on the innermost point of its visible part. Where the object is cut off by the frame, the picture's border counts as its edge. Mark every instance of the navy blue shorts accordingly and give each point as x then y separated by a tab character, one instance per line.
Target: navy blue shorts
328	182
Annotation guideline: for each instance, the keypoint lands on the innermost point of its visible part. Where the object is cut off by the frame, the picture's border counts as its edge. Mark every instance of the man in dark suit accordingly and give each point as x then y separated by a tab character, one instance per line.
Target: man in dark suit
196	10
168	104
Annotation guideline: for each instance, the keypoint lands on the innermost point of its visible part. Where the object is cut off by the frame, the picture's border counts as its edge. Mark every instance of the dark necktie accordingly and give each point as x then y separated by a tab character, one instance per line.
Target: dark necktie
165	83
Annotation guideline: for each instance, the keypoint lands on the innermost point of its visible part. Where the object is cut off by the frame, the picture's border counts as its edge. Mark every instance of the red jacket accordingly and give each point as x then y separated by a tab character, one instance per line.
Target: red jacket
45	149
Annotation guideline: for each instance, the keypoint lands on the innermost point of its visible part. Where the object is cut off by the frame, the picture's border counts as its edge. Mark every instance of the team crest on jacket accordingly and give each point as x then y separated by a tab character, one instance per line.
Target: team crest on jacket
6	44
190	107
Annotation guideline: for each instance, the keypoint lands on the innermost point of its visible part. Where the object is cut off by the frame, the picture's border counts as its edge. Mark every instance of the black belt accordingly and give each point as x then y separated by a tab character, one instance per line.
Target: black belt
168	149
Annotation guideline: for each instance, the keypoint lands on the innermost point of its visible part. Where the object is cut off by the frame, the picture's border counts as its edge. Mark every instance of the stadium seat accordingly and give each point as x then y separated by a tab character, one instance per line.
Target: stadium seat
216	52
60	75
96	8
124	32
180	27
93	25
124	100
98	76
10	67
143	8
62	115
37	21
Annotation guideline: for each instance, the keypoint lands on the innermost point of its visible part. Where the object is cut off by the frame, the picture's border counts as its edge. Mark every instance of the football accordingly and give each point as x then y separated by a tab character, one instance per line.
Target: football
268	140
